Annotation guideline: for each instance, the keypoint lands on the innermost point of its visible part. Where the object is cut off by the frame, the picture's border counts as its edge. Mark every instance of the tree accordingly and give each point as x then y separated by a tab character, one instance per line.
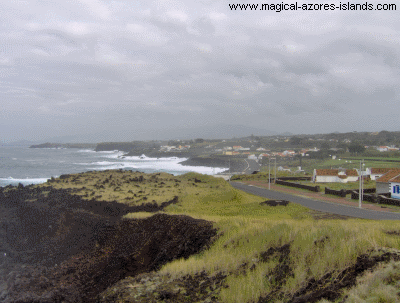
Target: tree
325	145
356	148
295	141
199	140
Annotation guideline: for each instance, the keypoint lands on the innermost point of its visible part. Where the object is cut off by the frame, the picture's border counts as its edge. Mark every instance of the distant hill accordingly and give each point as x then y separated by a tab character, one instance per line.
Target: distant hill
220	131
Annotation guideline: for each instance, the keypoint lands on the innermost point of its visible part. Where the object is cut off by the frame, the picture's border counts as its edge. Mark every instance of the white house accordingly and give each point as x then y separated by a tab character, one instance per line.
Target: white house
382	148
395	187
383	183
289	152
375	172
252	157
334	175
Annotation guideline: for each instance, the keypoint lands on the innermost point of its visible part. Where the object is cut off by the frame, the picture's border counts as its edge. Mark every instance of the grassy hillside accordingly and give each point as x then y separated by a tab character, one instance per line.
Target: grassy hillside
262	253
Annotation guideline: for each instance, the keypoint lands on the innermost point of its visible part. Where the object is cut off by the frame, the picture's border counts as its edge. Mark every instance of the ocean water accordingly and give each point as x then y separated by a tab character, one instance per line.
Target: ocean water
36	165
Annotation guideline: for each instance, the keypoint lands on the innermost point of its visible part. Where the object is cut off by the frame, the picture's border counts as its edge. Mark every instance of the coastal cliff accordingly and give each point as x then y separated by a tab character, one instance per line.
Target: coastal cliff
128	146
57	246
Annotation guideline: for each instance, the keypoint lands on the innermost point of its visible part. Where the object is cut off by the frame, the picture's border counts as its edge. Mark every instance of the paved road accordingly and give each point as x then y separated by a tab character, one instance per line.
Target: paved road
318	205
252	165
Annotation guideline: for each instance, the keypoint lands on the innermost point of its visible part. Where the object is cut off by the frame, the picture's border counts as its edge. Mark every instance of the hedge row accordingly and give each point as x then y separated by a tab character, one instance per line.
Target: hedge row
303	186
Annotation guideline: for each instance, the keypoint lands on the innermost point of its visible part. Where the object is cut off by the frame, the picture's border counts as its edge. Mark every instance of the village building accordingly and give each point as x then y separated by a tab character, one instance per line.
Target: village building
289	152
335	175
395	187
383	184
377	172
252	157
260	156
382	148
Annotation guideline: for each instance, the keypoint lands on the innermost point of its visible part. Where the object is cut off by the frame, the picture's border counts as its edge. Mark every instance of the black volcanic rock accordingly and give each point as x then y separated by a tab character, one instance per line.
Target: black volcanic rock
57	247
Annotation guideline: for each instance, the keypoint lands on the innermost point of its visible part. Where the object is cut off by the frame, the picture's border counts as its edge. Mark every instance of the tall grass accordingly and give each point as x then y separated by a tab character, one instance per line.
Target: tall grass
251	236
316	248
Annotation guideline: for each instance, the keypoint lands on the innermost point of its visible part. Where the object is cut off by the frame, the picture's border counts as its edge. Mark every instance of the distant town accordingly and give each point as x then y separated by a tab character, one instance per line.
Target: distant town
326	158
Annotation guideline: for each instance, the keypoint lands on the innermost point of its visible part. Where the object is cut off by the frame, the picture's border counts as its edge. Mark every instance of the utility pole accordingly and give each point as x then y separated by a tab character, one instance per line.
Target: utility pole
229	170
362	180
269	173
360	194
275	171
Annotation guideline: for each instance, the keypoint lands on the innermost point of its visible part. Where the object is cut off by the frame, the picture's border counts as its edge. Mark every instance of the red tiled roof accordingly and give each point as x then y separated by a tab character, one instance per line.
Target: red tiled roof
327	172
351	172
380	170
389	175
396	179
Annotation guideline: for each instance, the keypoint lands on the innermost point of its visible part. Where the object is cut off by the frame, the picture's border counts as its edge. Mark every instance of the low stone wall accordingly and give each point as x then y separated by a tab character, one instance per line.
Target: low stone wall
303	186
366	197
341	193
367	190
380	199
389	201
295	178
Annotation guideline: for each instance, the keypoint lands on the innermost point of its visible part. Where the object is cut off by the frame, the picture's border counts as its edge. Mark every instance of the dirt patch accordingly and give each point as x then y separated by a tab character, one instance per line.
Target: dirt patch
330	287
319	215
153	207
279	274
392	232
275	202
151	287
57	247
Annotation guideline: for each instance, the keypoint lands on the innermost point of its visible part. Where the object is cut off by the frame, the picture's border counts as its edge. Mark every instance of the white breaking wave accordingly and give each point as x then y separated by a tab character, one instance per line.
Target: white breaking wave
165	166
145	158
109	151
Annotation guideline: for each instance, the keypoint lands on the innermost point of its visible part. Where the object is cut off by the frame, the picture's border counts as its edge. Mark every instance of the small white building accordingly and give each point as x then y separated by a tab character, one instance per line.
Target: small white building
252	157
375	172
395	187
334	176
383	183
382	148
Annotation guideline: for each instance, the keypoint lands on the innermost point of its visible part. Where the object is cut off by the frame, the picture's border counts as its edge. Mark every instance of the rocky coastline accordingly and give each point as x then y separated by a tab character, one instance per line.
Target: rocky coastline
137	149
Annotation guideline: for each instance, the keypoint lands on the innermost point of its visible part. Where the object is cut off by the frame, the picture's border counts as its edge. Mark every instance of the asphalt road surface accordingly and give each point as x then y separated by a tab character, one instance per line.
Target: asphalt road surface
252	165
318	205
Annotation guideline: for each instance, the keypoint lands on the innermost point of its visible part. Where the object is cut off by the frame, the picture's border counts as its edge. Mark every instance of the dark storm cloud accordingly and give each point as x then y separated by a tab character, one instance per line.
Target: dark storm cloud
100	66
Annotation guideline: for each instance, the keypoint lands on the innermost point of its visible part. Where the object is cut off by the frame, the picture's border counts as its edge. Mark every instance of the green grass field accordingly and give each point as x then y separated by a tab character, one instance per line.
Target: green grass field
266	252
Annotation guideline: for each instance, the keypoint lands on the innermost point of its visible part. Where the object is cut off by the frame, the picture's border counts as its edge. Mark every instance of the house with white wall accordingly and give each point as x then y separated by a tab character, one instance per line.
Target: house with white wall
334	175
377	172
395	187
382	148
383	183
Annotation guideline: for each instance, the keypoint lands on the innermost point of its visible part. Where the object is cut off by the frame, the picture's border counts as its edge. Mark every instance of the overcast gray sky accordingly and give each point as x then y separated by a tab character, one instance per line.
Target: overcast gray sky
112	67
